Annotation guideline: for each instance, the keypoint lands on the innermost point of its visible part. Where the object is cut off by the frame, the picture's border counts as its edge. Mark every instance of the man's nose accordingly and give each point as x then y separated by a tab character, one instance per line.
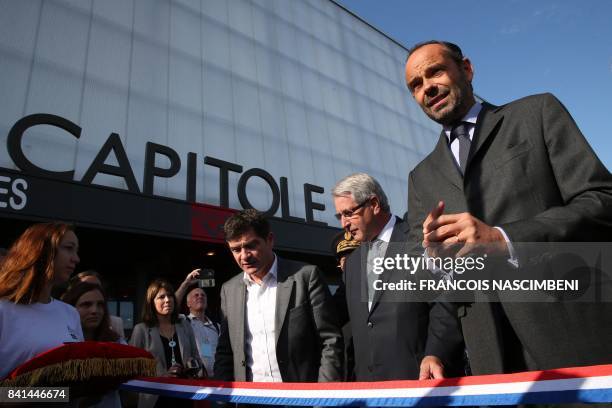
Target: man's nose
345	223
431	89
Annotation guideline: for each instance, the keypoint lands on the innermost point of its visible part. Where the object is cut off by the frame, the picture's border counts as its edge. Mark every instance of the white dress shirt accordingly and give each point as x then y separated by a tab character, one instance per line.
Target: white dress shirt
206	334
260	330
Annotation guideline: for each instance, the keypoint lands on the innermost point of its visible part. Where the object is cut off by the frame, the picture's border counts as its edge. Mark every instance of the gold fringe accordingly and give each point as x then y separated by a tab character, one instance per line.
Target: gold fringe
74	371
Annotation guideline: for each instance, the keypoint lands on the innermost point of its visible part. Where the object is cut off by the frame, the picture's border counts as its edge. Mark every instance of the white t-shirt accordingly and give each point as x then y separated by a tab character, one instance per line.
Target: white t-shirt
28	330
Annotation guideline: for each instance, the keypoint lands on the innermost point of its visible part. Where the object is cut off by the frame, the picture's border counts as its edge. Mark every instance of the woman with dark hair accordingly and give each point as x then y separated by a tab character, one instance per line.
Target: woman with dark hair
90	301
31	321
166	336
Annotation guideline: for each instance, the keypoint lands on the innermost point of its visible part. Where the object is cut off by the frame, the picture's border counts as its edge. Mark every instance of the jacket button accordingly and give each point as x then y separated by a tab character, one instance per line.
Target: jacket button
243	363
370	324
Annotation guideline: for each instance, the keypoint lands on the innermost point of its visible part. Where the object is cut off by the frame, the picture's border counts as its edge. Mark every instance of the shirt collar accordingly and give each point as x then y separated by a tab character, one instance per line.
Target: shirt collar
385	234
270	276
205	320
470	117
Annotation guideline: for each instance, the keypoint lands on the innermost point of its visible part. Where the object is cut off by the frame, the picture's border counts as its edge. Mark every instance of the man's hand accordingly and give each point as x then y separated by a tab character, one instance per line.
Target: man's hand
191	276
431	368
462	234
436	249
433	215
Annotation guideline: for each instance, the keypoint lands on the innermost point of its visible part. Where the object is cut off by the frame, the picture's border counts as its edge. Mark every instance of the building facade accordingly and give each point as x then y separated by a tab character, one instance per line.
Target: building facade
157	117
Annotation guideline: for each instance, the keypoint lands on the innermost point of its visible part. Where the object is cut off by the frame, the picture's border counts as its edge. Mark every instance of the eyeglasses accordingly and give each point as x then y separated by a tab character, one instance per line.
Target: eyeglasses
351	212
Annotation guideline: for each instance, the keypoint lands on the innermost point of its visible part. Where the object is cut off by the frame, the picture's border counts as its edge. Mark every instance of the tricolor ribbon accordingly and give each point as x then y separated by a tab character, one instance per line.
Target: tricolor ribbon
564	385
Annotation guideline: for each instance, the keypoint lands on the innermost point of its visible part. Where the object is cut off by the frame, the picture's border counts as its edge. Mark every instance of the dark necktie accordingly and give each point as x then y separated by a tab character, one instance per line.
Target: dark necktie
461	132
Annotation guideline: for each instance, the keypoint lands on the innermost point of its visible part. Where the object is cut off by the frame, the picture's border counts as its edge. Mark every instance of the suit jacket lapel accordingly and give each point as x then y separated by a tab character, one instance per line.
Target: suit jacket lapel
284	288
489	120
237	307
157	344
362	262
181	335
444	162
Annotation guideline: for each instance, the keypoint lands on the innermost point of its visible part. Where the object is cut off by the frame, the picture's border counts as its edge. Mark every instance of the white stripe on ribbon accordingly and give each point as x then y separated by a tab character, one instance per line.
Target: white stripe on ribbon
582	389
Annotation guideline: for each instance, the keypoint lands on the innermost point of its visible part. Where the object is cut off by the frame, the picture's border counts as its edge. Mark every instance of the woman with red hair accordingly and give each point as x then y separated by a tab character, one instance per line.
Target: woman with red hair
31	321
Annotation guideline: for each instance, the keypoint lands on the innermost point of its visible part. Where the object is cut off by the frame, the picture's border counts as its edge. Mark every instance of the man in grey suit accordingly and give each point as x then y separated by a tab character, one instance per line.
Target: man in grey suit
395	336
278	322
517	173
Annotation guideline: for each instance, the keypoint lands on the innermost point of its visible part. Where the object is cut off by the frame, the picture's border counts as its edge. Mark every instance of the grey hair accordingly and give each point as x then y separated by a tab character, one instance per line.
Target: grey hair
361	187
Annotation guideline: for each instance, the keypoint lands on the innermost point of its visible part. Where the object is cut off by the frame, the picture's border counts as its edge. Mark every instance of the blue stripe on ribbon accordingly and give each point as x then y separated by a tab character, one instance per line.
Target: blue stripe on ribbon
567	396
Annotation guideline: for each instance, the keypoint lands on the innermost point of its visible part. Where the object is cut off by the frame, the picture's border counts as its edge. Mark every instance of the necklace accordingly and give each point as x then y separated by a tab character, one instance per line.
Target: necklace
171	341
172	345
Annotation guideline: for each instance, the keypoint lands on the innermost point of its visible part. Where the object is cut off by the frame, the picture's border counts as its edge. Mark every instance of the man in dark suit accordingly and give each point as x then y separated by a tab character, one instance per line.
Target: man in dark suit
498	177
395	337
277	317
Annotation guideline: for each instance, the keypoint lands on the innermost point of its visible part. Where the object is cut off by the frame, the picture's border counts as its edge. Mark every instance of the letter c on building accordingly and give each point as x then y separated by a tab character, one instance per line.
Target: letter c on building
15	135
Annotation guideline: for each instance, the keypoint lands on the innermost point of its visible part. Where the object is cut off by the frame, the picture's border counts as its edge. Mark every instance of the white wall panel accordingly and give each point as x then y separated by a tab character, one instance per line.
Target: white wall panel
263	25
217	90
240	17
185	128
242	57
185	30
267	67
185	83
215	43
286	43
119	12
18	24
216	10
152	20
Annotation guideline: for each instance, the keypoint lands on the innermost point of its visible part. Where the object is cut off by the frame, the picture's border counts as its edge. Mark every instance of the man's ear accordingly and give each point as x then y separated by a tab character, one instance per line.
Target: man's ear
270	239
468	69
375	203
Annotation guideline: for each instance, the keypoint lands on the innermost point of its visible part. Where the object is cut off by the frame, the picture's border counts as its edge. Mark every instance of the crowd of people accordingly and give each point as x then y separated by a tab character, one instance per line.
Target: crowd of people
499	175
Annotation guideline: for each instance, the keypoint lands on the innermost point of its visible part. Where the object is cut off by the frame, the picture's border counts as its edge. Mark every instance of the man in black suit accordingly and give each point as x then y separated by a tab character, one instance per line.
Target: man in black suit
394	336
499	177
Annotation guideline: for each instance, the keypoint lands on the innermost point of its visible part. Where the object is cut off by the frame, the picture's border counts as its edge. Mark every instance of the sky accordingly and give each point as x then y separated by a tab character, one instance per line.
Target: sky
519	48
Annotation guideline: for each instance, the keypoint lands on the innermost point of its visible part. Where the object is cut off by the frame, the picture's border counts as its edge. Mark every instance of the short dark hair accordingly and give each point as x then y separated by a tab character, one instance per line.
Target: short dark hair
245	220
453	50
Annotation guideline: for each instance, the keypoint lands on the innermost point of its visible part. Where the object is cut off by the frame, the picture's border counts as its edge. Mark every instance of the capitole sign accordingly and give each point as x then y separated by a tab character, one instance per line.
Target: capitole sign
123	169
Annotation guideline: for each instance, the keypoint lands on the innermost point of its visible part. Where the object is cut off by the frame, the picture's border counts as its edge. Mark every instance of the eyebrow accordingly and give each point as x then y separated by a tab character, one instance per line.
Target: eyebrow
242	245
412	83
435	67
428	71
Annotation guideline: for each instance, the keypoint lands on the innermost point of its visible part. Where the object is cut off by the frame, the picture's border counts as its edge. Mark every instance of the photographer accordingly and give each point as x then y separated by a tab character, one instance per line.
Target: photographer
206	331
